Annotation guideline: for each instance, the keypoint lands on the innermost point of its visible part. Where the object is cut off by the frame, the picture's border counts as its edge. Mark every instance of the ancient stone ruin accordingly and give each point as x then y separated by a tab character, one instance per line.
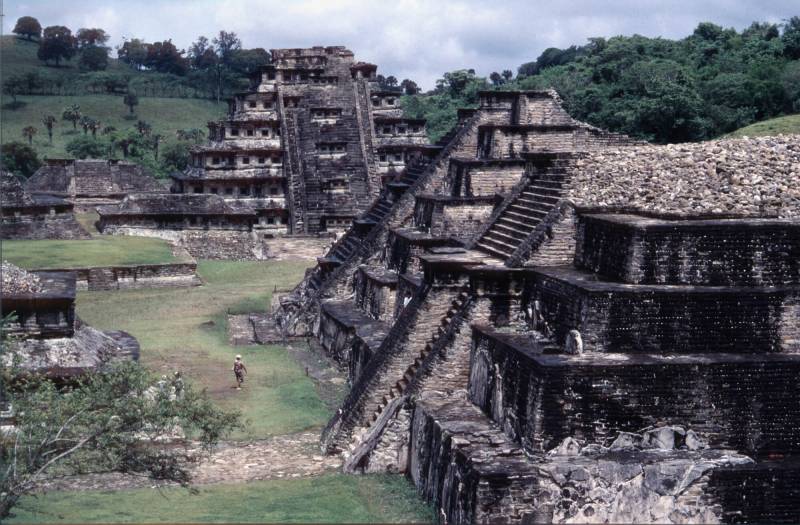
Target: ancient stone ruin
91	182
552	323
46	335
300	155
34	216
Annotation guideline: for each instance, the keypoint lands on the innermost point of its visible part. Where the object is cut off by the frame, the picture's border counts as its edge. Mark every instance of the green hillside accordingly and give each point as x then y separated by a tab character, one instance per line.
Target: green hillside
165	115
774	126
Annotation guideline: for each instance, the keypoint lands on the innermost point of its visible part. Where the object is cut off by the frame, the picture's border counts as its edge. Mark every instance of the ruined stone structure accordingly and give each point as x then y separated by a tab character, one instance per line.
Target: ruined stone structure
308	148
91	182
26	216
551	323
50	338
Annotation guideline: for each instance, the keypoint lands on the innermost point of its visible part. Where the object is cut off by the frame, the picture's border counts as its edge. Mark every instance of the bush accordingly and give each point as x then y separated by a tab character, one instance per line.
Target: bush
93	58
86	147
19	158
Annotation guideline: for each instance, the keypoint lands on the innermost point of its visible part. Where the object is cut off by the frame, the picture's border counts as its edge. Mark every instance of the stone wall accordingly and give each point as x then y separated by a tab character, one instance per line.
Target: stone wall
136	276
56	226
613	317
457	217
745	402
732	252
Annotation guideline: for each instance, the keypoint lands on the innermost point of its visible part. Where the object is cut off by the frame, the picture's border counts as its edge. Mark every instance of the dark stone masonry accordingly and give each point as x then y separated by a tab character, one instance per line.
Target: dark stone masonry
549	323
298	157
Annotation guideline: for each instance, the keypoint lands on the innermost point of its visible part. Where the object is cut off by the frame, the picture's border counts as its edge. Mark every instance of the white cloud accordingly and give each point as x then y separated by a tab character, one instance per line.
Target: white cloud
418	39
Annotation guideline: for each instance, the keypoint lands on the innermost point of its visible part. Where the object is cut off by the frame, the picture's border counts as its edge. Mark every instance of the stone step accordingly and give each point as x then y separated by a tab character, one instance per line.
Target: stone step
516	233
491	250
531	221
541	194
505	249
502	237
516	207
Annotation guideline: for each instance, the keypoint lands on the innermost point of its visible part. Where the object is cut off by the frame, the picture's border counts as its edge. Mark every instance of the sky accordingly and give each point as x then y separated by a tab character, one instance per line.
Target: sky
417	39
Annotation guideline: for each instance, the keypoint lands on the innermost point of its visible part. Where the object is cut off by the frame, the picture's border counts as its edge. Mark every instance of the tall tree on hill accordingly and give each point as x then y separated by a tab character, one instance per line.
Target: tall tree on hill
791	38
226	44
19	158
49	121
131	100
93	58
409	87
90	37
13	86
72	114
57	43
86	123
133	52
28	27
507	75
164	57
28	132
155	140
496	78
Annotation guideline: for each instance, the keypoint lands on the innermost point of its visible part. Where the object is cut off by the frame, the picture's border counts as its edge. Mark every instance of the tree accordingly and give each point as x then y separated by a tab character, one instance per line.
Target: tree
49	121
194	134
226	43
72	114
164	57
13	86
143	128
86	124
791	38
247	61
93	58
86	148
56	44
175	157
133	52
508	75
28	132
130	100
94	37
19	158
391	81
108	130
28	27
496	78
155	141
94	125
117	420
409	87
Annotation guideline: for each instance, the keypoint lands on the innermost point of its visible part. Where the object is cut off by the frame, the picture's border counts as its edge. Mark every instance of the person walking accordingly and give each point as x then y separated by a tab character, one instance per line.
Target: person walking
239	370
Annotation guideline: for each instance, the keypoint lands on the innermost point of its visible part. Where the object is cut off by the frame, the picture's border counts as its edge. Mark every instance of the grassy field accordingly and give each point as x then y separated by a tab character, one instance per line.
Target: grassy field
326	499
786	125
106	250
165	115
185	329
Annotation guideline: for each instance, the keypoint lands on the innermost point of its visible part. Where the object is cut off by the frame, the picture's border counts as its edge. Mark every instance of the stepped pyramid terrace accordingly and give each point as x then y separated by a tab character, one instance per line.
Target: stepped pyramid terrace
91	182
548	322
35	216
305	151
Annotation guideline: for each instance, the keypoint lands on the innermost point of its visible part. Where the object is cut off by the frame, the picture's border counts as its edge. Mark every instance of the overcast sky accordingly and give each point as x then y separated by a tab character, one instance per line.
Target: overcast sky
415	39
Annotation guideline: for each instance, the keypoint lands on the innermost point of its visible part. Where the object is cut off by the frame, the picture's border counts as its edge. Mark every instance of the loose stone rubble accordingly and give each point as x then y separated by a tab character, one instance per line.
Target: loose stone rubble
748	176
613	338
15	280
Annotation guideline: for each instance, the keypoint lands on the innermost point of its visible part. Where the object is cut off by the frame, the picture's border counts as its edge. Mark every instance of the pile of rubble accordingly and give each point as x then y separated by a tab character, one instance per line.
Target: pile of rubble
15	280
748	176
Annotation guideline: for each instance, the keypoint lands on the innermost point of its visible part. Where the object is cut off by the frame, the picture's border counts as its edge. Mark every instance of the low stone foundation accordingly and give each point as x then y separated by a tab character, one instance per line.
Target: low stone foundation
57	226
235	245
136	276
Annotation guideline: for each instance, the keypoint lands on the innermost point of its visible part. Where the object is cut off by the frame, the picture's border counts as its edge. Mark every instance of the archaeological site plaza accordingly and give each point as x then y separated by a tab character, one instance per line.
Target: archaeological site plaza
540	321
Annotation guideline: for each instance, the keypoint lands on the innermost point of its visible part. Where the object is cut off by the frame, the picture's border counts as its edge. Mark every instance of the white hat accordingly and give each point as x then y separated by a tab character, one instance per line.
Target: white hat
238	356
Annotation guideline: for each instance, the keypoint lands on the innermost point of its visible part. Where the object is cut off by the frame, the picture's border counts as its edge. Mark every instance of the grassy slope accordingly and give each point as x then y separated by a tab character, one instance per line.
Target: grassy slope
774	126
185	329
325	499
166	115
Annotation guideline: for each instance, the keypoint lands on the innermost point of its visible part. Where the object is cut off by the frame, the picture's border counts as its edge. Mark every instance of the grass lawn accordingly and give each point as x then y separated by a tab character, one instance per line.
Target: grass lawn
185	329
106	250
326	499
786	125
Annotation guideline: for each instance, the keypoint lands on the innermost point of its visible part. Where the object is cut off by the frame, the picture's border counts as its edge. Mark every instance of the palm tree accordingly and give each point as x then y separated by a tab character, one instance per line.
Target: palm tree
94	125
72	114
49	121
29	132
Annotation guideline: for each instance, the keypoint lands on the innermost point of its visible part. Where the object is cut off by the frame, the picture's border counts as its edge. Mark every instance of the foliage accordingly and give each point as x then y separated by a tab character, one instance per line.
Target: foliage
28	27
19	158
57	43
175	157
29	132
49	121
712	82
93	58
114	420
90	37
130	100
72	114
85	147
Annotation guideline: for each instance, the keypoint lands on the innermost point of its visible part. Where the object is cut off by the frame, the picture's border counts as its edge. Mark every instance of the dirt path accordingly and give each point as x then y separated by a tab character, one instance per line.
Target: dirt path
288	456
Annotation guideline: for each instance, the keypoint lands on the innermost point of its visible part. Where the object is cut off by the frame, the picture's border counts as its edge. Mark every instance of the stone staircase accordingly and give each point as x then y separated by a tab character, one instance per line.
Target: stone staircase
292	166
525	209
